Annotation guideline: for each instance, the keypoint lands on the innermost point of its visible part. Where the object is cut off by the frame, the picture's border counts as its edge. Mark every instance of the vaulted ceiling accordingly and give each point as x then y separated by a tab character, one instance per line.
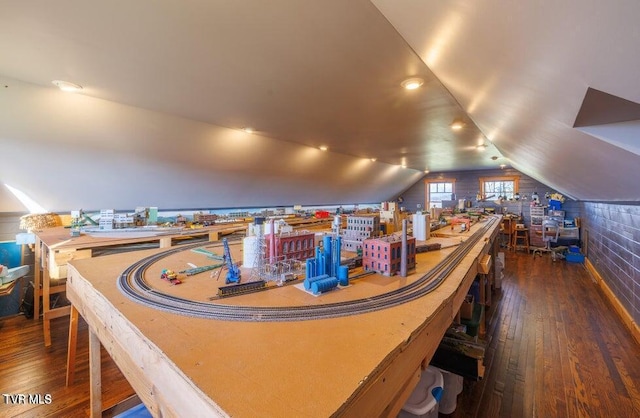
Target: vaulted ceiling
168	87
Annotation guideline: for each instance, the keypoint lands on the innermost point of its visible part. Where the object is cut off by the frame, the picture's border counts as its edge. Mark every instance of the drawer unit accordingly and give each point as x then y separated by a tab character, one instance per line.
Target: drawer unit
535	236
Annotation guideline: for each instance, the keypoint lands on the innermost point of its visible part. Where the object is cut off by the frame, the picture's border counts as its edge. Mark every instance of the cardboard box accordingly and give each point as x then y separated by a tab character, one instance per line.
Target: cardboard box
484	264
466	310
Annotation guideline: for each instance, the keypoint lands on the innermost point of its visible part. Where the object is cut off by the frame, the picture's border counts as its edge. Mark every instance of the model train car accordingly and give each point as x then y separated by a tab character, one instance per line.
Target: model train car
237	289
170	276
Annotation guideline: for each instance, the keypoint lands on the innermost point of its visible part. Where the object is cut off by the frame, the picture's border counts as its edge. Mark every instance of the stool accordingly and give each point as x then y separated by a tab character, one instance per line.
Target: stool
520	239
507	226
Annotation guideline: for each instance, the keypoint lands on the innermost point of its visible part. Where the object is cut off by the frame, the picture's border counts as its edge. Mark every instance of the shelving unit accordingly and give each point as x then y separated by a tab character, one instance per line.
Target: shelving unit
536	216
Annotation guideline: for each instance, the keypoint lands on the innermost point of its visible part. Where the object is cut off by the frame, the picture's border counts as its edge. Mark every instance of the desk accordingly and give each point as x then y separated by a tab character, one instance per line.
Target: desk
54	248
359	365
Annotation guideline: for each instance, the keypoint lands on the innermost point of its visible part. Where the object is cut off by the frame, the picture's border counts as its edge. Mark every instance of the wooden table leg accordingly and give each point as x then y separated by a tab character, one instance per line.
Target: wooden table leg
37	279
95	378
71	349
46	307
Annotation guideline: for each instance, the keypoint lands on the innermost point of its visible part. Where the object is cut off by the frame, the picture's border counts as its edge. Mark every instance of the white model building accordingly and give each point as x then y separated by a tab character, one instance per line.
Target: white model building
421	226
359	228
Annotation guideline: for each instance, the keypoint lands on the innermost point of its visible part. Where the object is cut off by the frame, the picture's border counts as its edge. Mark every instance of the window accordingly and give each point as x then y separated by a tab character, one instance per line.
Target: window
493	187
438	190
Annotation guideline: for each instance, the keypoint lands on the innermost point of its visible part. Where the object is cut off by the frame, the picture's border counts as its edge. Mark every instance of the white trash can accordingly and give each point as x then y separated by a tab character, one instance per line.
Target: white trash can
423	402
452	388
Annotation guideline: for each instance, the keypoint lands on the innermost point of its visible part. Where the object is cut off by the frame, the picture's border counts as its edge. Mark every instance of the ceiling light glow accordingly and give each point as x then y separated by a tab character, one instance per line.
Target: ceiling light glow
412	83
248	130
67	86
323	148
457	124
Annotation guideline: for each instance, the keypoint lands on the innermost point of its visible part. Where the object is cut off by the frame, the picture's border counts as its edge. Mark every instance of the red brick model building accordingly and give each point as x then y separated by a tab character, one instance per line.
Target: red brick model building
383	255
296	245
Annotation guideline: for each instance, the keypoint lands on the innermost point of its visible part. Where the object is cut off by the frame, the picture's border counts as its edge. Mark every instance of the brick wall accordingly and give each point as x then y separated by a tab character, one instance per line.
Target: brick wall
612	233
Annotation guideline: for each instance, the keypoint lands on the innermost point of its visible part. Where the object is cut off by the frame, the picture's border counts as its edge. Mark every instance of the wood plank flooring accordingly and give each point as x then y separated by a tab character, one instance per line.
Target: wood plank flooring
557	350
28	367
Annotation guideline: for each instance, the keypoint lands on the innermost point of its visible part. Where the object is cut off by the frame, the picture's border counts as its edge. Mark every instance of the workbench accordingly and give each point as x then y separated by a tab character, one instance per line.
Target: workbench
54	248
358	365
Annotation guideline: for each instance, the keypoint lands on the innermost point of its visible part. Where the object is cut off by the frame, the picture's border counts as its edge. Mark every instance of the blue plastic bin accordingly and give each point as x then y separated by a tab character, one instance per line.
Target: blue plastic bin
138	411
575	257
555	204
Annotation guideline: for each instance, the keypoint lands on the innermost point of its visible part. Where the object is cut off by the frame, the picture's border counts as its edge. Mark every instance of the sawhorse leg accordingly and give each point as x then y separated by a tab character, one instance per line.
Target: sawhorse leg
71	349
95	377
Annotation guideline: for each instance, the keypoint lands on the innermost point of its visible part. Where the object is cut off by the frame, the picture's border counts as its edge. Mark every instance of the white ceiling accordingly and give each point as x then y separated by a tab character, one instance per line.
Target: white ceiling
168	86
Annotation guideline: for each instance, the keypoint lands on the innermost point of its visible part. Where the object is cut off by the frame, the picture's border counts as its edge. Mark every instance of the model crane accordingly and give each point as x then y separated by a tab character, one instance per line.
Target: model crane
233	271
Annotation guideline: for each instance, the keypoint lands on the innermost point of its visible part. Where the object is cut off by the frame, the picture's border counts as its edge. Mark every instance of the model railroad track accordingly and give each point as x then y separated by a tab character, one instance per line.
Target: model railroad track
131	282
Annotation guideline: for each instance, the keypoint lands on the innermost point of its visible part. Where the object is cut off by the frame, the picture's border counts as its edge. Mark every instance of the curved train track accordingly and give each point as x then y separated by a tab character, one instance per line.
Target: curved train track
131	282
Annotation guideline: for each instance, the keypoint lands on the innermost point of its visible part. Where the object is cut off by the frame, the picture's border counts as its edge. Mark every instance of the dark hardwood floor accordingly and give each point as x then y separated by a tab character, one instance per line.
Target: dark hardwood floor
557	350
28	367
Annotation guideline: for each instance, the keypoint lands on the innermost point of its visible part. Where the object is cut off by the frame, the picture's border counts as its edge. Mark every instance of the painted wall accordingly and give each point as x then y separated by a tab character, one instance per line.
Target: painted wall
467	186
612	232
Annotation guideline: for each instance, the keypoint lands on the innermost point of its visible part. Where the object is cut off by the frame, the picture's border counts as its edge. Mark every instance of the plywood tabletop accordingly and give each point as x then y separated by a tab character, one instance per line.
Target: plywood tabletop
305	368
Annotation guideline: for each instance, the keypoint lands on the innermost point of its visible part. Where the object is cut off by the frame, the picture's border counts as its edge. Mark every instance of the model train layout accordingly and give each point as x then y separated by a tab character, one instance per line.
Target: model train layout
132	283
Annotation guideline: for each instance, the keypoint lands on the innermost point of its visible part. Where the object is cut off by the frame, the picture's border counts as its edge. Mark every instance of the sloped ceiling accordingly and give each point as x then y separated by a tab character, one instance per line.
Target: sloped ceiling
521	71
169	85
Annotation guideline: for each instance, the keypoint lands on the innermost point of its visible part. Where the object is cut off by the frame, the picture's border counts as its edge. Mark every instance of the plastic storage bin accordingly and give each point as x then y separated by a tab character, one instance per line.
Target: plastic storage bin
452	388
138	411
555	204
423	402
575	257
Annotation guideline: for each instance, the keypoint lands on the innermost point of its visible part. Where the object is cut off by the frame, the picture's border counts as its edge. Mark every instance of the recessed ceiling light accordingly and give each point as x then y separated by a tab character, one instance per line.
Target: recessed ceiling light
67	86
248	130
457	124
502	166
373	159
403	166
495	157
426	171
323	148
412	83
